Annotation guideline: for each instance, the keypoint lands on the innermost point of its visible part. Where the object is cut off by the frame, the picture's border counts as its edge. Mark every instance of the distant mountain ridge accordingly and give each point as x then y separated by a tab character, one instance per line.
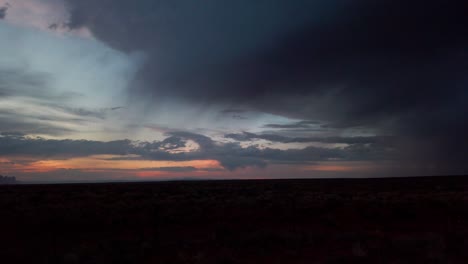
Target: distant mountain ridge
7	180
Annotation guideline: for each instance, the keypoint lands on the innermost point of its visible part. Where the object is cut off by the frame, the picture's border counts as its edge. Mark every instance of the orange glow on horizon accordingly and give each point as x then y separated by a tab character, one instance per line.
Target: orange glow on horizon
113	167
104	162
100	162
339	167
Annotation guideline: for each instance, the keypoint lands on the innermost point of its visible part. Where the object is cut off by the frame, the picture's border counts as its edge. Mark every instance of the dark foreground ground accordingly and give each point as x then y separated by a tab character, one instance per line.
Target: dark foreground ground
413	220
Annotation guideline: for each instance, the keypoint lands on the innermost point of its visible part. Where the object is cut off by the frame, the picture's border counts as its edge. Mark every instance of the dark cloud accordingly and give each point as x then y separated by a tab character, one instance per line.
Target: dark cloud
171	143
13	134
392	65
230	155
233	155
239	117
246	50
300	124
23	145
197	43
3	12
12	122
204	142
246	136
101	113
233	111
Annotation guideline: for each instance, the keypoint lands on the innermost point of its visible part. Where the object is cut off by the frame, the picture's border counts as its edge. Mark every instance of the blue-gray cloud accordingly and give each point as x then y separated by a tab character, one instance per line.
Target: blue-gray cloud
297	125
3	12
348	63
62	85
246	136
230	155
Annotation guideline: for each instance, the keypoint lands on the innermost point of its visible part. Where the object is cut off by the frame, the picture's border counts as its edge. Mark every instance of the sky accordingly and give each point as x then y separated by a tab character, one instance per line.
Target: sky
160	90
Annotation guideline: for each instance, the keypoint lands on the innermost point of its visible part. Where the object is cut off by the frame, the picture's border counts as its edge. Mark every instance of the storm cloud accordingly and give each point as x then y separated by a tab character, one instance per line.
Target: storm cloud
246	136
230	155
3	12
250	50
318	81
394	67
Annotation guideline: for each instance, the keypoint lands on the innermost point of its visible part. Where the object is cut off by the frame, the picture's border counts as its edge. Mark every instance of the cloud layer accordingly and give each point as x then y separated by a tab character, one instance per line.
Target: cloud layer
230	155
394	67
244	83
54	85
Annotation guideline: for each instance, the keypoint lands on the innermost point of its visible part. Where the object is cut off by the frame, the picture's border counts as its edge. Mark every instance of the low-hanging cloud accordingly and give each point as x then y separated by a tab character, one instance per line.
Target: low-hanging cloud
349	63
3	12
230	155
246	136
346	74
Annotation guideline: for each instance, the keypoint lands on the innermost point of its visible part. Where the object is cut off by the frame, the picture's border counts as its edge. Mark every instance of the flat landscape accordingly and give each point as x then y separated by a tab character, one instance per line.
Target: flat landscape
400	220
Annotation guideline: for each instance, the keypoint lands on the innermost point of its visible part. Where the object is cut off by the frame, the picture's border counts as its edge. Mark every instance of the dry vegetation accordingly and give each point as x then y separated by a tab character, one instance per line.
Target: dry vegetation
418	220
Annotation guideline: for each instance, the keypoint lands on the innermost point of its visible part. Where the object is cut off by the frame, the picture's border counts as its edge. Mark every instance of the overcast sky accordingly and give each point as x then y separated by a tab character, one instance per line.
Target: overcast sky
154	89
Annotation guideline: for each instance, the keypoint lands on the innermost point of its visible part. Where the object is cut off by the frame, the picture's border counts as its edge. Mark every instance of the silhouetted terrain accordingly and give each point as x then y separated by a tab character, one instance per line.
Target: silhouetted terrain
408	220
7	180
